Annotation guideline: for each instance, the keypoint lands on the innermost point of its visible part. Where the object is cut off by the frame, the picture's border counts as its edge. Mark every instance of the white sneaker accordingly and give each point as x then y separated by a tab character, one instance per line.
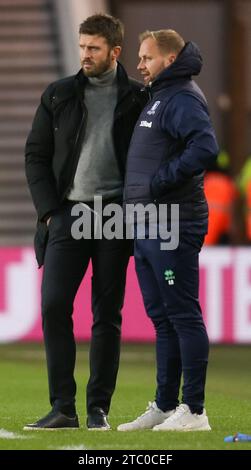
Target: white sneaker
152	416
184	420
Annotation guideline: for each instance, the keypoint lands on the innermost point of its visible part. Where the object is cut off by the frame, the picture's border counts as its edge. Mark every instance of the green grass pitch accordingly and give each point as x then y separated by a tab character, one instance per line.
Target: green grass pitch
23	398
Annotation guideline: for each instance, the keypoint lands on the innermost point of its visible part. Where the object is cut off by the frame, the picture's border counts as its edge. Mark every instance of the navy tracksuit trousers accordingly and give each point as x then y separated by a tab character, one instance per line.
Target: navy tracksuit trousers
169	282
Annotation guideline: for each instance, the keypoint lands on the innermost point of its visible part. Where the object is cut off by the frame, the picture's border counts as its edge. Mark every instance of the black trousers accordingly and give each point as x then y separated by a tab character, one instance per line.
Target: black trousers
66	262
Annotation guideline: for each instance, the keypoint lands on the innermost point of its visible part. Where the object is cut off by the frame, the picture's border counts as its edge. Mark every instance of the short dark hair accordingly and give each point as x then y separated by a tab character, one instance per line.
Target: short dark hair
106	26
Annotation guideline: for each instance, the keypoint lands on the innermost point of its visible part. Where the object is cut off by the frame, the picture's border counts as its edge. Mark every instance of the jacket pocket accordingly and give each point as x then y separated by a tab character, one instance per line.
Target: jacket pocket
40	242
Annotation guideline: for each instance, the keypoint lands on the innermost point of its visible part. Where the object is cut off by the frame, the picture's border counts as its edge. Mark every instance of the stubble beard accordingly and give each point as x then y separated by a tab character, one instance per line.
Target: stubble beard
99	69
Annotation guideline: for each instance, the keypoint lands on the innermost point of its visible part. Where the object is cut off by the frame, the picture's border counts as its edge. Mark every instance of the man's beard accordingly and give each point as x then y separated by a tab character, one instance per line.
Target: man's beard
98	69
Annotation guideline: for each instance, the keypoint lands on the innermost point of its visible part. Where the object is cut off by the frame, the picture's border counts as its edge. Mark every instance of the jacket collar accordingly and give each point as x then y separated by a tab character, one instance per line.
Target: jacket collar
187	63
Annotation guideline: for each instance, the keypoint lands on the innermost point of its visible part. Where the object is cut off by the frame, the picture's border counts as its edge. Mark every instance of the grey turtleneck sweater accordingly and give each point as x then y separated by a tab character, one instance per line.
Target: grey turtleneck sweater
97	171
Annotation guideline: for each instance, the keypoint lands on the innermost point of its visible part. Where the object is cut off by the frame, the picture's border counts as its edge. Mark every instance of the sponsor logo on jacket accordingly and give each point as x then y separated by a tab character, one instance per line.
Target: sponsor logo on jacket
145	124
153	108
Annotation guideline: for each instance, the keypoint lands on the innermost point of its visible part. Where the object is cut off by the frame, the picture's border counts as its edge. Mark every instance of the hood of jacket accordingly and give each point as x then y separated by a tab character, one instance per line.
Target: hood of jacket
188	63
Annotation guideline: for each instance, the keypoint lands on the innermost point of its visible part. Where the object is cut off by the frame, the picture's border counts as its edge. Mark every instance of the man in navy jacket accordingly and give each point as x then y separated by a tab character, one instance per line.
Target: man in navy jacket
172	145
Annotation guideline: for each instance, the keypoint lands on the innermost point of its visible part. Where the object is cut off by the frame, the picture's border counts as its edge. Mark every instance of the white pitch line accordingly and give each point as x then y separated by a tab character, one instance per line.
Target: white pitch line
10	435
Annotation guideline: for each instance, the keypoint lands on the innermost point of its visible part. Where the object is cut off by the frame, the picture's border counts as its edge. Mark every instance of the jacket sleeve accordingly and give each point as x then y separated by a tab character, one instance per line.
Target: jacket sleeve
39	151
187	121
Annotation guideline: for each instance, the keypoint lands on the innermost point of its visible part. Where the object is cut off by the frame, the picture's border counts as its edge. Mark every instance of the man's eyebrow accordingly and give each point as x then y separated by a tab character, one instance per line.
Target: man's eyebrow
89	46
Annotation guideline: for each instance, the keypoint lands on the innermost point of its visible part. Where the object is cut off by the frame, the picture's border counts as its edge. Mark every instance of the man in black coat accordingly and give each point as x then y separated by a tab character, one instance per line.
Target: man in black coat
76	151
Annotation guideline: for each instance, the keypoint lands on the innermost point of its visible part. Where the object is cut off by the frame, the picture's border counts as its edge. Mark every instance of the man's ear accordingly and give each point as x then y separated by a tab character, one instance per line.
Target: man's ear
115	52
170	59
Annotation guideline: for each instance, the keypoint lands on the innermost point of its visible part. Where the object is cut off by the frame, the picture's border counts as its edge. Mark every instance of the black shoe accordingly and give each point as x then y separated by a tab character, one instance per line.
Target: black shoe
53	421
97	420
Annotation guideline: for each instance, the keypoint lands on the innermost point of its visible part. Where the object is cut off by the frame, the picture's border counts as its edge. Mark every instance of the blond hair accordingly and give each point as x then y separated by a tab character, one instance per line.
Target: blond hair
167	40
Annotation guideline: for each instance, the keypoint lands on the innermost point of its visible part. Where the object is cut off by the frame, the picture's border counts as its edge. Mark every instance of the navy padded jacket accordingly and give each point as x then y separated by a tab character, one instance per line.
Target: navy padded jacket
173	141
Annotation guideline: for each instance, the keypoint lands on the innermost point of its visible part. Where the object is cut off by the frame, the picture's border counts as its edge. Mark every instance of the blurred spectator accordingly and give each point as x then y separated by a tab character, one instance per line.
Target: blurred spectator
221	193
244	183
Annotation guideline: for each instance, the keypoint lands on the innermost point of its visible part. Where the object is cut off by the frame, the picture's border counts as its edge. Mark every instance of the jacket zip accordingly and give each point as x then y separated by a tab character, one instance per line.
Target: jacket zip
76	148
148	90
